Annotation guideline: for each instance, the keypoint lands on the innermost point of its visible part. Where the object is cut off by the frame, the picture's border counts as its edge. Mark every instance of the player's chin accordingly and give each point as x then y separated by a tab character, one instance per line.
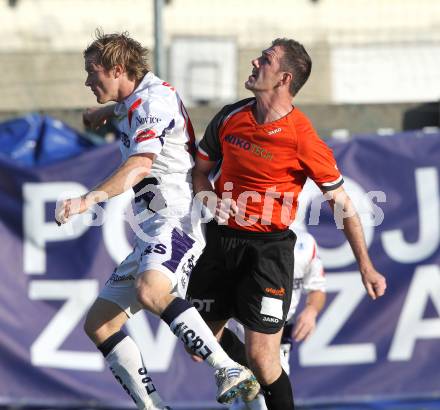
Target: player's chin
101	99
248	84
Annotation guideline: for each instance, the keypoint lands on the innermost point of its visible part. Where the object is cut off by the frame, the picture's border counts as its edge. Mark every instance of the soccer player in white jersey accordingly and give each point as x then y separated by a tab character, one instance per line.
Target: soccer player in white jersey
309	279
156	144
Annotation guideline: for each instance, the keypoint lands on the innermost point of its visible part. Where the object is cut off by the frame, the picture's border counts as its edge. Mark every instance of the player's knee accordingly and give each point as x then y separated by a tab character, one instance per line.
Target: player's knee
263	366
151	299
153	291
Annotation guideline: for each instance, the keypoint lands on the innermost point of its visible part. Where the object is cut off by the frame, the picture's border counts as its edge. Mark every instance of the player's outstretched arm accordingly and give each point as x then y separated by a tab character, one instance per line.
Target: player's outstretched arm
96	117
124	178
345	213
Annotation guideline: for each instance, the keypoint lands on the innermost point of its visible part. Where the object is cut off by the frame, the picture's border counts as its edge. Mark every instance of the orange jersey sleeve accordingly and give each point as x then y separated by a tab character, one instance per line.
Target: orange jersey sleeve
315	157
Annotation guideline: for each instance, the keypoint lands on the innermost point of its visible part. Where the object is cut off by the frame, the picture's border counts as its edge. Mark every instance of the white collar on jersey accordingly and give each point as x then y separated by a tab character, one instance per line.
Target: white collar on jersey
125	104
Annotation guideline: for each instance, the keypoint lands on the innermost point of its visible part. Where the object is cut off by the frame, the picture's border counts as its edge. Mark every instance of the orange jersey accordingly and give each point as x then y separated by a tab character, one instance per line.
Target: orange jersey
264	166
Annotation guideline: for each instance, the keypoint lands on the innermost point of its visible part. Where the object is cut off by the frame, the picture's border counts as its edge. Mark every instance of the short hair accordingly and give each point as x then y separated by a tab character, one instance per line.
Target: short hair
119	48
295	61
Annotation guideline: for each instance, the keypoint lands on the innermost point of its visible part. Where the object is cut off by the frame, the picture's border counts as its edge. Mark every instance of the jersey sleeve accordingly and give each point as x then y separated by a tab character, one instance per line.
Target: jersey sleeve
209	147
314	278
150	123
316	157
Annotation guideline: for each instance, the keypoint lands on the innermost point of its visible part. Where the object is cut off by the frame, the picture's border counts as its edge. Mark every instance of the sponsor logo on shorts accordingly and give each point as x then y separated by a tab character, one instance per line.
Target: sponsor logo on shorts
119	278
190	338
276	292
159	248
270	319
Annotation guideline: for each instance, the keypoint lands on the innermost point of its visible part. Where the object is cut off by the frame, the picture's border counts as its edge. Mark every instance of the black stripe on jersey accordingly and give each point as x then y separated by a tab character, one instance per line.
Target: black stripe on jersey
166	131
210	142
332	187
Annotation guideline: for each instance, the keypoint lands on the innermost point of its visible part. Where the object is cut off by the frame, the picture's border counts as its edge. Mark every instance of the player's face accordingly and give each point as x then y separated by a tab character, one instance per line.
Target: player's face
266	72
101	81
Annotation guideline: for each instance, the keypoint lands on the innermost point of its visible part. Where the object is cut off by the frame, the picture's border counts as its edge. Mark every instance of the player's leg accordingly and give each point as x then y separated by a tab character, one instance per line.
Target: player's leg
103	325
166	262
265	296
263	352
232	341
153	294
209	290
264	360
115	304
234	346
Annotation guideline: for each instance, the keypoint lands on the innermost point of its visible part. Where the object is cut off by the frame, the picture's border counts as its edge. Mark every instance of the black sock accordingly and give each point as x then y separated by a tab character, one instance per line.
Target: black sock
174	309
233	346
278	395
107	346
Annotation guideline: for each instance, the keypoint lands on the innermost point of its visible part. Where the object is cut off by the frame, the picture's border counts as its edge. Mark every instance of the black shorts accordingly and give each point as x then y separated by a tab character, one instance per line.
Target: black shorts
245	275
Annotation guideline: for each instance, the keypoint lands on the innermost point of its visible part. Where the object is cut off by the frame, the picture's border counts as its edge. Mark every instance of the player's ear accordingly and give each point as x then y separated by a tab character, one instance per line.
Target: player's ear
118	70
287	78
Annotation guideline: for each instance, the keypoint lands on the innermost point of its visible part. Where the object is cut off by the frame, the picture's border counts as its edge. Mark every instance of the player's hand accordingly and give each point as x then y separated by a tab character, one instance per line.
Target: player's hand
375	283
224	210
68	207
305	324
94	118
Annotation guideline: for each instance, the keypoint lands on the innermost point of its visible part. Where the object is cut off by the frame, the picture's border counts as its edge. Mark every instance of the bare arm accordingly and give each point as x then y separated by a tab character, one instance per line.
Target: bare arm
200	174
125	177
93	118
204	192
306	320
344	211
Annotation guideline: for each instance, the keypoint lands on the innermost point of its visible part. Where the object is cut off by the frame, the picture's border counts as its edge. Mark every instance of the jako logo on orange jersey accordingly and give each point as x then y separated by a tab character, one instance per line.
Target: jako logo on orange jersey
275	131
276	292
145	135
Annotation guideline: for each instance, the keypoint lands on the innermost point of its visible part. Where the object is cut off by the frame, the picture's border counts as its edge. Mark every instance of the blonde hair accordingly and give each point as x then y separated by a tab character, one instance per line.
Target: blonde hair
118	48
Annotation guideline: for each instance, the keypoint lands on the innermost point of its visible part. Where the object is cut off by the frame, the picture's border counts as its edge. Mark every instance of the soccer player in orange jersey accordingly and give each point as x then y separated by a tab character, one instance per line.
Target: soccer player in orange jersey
156	136
263	149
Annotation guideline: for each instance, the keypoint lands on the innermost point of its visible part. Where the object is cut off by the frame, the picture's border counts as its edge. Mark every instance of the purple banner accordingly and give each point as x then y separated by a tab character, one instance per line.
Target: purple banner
361	349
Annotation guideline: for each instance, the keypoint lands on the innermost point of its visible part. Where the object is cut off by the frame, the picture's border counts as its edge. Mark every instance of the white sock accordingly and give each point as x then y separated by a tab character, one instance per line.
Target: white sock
187	324
127	366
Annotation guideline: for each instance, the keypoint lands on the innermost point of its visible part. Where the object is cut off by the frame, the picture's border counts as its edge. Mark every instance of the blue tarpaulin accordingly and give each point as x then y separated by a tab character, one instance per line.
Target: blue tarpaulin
35	140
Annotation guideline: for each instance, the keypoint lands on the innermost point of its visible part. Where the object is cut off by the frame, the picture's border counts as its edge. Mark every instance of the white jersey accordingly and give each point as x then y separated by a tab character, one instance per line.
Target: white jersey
308	271
153	120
